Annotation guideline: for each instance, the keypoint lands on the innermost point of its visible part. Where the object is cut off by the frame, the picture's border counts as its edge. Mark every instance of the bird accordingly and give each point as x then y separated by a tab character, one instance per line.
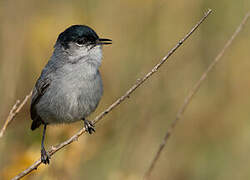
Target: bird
70	86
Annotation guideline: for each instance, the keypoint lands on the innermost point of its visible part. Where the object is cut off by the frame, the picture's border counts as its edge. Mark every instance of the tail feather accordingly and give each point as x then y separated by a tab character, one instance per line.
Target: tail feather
35	124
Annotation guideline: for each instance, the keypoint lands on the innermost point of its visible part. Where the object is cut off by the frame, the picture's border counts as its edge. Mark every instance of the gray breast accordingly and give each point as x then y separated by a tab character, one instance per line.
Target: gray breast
73	95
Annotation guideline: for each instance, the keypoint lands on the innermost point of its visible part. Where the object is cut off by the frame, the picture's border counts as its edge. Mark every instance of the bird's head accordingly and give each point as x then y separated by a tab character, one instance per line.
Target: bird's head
81	40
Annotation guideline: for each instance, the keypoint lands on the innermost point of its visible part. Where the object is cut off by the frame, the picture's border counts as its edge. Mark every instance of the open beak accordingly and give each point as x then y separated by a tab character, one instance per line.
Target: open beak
104	41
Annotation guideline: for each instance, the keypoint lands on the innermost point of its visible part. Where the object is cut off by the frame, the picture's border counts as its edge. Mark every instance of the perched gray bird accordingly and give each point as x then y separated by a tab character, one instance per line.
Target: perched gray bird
70	86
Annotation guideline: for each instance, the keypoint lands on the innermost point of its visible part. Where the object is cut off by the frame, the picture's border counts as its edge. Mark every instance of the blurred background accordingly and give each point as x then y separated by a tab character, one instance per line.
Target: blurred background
212	141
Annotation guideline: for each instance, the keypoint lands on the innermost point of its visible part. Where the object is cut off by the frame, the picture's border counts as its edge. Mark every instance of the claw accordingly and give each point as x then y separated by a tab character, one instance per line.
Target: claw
89	126
44	156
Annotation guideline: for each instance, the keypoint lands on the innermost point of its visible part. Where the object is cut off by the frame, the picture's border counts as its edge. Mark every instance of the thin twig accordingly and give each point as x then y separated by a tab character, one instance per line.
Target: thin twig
13	112
191	94
53	150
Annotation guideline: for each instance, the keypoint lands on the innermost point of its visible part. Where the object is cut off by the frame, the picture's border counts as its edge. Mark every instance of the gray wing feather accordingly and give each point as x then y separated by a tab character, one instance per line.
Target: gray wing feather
40	88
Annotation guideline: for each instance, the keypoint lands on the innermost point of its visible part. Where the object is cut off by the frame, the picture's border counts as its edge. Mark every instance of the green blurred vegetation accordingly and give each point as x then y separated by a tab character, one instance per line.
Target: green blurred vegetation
212	141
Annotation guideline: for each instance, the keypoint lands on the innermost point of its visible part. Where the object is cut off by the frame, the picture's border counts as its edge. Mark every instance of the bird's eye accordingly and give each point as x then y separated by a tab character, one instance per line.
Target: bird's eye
80	42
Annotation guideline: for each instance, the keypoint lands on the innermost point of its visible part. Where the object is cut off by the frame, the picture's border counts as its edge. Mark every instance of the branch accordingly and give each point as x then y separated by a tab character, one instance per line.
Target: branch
139	82
13	112
190	96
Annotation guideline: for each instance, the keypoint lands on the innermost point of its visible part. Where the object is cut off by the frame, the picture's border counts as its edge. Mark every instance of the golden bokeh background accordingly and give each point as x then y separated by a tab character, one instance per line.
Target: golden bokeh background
212	141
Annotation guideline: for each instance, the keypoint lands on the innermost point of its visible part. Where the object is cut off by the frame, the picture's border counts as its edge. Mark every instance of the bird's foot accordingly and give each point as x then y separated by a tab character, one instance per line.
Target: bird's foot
44	156
89	126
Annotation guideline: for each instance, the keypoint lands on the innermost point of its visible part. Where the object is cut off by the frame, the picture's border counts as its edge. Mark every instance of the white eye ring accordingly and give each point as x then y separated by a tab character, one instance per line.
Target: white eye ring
80	45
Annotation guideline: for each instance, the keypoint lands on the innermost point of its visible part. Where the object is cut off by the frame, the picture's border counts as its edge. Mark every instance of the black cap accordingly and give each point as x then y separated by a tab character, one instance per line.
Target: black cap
80	34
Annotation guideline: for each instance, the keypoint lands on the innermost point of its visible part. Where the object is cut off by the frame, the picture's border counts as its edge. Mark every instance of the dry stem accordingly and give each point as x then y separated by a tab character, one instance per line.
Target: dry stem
190	96
13	112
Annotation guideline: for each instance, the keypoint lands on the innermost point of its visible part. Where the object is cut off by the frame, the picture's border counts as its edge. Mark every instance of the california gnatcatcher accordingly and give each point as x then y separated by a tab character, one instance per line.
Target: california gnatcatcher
70	85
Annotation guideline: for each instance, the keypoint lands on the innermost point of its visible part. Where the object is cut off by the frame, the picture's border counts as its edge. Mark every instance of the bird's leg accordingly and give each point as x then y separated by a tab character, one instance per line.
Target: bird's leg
88	126
44	155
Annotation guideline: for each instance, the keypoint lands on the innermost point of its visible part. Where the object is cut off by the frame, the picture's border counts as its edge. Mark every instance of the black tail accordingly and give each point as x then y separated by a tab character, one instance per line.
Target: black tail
35	124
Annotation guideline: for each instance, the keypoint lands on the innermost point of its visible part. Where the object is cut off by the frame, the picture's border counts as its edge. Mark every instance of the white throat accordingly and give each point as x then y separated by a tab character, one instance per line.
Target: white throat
86	54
